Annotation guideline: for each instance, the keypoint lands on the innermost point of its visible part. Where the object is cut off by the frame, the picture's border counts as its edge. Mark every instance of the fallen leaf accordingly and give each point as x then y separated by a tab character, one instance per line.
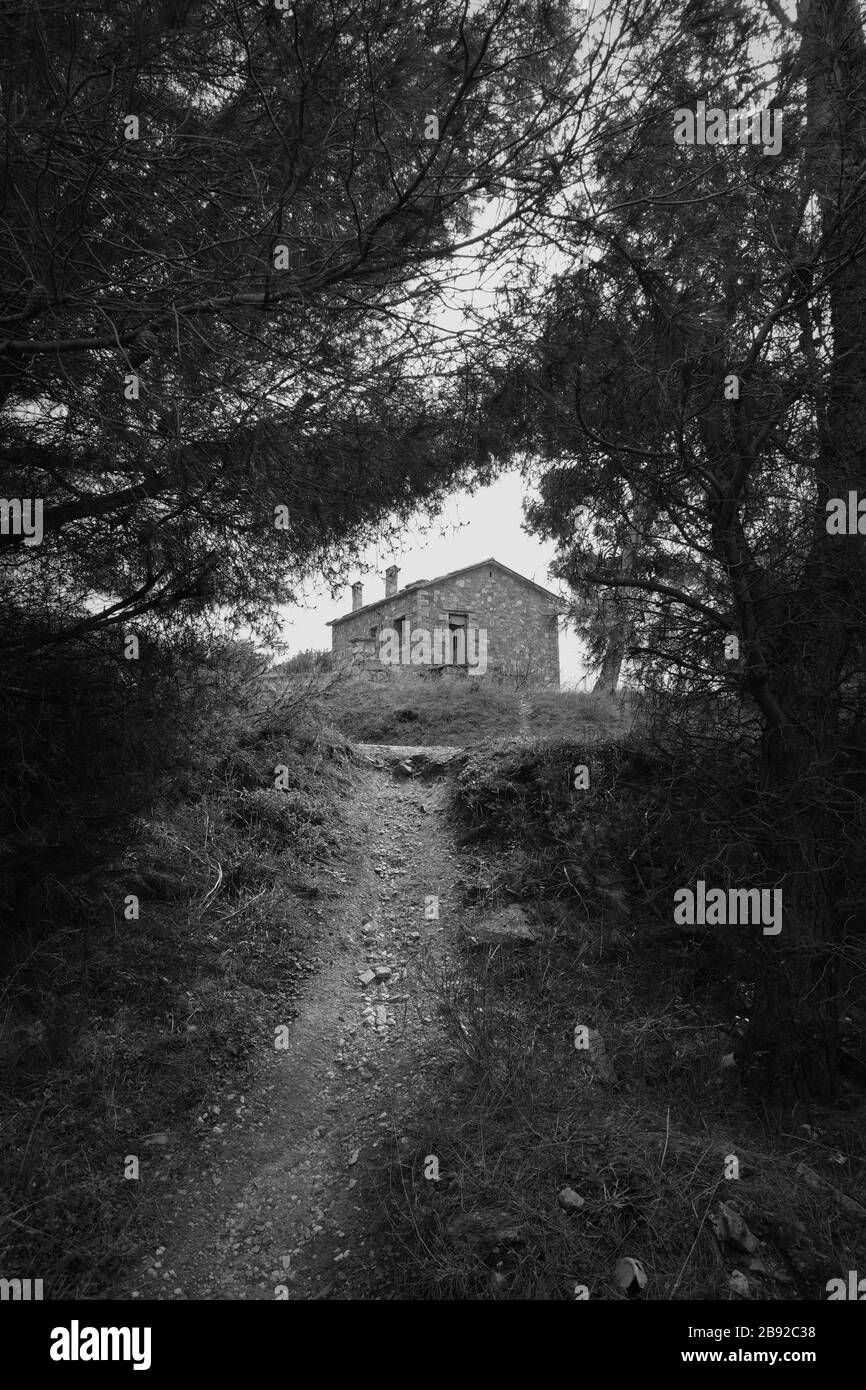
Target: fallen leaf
630	1274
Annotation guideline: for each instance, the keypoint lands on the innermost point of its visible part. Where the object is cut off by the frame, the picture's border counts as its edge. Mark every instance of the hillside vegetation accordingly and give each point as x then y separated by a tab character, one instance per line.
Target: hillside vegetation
559	1161
142	977
462	710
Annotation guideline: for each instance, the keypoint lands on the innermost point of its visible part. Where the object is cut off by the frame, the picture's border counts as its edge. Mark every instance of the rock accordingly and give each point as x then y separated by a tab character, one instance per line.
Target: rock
412	760
367	977
731	1229
507	926
570	1200
382	972
432	762
819	1184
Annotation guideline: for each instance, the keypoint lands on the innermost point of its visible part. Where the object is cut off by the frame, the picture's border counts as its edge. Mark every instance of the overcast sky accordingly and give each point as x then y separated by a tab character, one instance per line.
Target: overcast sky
470	529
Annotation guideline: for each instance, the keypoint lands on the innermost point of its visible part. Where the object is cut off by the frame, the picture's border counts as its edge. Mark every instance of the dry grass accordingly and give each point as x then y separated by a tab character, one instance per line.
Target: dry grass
463	711
578	714
524	1114
114	1032
515	1112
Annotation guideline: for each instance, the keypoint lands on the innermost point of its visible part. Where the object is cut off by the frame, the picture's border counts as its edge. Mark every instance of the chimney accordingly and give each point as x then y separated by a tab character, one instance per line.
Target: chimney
391	576
357	596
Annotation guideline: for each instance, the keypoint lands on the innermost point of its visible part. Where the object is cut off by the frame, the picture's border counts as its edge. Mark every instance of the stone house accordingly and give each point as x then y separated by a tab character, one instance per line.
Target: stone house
483	618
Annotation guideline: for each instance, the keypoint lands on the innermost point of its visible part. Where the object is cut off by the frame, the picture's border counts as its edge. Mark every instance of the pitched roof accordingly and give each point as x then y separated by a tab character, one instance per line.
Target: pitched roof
440	579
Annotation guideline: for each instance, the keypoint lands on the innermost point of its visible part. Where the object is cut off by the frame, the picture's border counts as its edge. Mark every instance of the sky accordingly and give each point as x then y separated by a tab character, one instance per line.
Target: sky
470	529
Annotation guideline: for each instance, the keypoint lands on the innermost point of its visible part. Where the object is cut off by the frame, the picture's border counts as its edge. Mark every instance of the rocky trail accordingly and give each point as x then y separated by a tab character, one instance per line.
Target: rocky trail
274	1207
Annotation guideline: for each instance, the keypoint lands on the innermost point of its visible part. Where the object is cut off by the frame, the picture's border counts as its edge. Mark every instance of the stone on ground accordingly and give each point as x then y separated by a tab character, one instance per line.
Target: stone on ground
508	925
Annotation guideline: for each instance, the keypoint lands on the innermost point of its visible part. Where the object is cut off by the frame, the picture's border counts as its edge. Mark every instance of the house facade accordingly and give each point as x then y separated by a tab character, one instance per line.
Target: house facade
483	618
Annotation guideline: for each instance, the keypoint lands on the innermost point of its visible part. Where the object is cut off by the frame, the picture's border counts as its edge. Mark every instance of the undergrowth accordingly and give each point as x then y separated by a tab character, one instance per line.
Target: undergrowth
642	1125
119	1018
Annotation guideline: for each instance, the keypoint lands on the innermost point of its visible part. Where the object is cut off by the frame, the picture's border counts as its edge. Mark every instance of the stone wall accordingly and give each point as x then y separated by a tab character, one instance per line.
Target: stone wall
520	622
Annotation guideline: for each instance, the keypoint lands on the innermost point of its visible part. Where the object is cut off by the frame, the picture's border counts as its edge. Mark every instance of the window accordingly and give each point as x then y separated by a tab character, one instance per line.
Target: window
402	636
457	638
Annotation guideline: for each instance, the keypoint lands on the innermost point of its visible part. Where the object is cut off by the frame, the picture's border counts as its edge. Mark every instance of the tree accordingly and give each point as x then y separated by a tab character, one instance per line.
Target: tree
226	230
696	388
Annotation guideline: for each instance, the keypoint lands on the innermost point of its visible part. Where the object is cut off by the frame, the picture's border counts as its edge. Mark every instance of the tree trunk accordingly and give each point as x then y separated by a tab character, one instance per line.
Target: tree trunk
611	666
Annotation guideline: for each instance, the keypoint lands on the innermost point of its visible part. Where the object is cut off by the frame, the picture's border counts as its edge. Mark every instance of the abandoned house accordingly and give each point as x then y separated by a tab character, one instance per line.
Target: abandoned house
483	618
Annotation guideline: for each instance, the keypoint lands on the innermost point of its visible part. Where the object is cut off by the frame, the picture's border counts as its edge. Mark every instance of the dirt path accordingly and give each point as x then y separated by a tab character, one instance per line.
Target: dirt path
275	1211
